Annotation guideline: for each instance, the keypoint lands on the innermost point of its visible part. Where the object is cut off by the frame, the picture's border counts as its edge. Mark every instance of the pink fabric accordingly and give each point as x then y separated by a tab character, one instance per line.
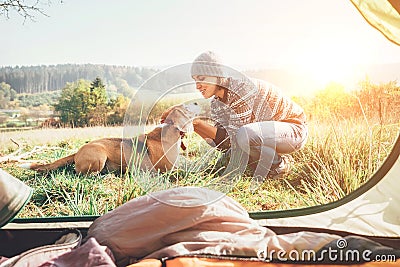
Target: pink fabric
190	220
90	254
3	259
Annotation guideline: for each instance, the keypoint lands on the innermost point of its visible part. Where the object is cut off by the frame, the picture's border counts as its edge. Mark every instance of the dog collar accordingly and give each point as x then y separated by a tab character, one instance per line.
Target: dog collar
182	144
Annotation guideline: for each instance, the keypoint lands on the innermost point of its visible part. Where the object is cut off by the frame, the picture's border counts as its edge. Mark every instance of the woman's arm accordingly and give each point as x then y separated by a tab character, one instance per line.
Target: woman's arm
205	130
214	135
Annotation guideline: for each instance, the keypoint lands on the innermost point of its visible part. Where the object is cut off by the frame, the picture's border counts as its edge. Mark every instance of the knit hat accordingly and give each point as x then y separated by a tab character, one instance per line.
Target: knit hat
207	64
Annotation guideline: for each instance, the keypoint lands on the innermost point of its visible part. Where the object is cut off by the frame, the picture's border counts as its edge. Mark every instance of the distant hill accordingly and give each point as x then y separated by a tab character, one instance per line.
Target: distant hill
289	81
122	79
383	72
38	79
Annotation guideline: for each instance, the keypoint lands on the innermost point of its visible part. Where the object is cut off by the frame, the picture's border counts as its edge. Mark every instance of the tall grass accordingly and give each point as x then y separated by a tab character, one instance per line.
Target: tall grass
340	157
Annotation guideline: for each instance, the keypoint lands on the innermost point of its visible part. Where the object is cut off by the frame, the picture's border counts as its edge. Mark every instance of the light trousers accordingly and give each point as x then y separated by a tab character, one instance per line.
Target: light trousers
261	143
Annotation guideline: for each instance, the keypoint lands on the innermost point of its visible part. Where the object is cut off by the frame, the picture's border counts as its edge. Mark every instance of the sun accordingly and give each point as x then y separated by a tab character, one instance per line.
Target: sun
327	62
326	65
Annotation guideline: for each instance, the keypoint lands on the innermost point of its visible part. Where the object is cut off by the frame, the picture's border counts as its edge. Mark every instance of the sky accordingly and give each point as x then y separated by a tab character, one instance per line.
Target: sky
324	38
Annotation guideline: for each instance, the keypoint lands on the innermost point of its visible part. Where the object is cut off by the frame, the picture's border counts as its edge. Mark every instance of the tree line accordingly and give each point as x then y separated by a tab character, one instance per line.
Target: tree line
39	79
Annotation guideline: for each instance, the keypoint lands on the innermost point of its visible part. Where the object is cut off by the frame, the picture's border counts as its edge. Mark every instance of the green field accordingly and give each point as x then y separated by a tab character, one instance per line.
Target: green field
350	135
338	158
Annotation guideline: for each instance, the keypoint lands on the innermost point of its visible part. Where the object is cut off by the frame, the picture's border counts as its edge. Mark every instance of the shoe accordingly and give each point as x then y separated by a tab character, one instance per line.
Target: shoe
279	170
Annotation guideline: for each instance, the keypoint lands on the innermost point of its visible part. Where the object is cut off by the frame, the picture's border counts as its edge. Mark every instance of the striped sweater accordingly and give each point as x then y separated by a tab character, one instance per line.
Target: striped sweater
251	100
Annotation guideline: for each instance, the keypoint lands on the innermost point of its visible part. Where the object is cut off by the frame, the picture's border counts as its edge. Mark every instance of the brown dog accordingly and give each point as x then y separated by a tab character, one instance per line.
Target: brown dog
156	150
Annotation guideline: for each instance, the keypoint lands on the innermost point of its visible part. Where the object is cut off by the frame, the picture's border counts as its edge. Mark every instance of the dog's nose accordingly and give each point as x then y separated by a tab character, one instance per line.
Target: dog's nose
195	103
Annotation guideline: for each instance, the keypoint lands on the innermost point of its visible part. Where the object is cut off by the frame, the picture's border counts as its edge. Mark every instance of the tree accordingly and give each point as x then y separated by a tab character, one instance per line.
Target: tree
83	103
97	106
73	103
7	94
28	9
118	107
124	88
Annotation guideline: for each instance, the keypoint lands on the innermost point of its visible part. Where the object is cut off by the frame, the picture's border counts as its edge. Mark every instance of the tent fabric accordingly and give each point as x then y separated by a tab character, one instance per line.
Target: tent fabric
373	213
14	194
39	255
384	15
43	223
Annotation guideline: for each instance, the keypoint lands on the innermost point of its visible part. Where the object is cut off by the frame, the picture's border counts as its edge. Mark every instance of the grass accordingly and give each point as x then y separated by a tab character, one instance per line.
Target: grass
338	158
54	137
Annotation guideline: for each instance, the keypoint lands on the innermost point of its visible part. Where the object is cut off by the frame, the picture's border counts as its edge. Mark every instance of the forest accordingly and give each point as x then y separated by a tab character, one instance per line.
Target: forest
40	79
72	93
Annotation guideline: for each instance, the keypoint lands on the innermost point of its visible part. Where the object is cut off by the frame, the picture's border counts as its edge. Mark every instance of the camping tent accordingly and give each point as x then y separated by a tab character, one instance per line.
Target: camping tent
372	210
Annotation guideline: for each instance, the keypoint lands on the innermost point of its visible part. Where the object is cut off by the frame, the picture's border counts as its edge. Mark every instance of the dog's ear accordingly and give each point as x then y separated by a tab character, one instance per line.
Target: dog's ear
180	118
166	113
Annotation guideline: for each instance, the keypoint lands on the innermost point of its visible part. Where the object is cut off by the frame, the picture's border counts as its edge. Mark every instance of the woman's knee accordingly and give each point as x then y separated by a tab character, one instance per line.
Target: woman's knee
248	136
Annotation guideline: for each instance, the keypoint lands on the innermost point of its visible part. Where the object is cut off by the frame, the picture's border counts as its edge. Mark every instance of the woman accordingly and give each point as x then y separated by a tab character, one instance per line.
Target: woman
250	114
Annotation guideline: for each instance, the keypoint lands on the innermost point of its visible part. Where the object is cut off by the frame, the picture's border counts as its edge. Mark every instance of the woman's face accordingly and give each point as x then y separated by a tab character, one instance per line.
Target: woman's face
207	86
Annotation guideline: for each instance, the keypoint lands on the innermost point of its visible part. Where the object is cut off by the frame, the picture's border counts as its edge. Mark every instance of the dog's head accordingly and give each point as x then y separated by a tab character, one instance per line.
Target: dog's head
181	116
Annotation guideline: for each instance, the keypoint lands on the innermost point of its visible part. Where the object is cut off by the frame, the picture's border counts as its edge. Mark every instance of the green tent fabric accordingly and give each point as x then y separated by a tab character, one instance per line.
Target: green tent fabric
383	15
